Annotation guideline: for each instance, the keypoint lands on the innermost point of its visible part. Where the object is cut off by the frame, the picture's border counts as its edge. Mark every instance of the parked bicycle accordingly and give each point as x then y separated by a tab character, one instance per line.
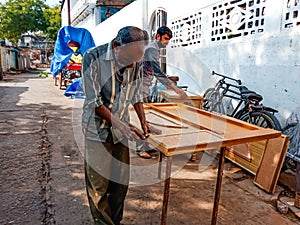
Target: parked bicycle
231	98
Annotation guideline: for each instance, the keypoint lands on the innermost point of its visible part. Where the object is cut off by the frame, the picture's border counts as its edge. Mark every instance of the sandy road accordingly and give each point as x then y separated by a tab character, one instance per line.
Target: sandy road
42	179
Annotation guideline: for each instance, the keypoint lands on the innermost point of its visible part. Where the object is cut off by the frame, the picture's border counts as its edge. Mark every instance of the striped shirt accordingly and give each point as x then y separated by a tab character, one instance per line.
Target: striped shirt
104	85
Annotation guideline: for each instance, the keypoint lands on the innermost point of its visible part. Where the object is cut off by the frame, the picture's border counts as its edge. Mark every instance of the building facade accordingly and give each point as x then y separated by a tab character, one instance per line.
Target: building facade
257	41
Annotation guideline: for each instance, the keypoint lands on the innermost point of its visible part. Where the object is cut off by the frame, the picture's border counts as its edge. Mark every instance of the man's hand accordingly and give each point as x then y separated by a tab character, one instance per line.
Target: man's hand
181	93
147	128
131	132
154	130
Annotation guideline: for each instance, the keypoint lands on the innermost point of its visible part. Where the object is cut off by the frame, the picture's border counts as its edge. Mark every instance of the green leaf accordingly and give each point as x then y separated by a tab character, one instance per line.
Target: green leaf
18	17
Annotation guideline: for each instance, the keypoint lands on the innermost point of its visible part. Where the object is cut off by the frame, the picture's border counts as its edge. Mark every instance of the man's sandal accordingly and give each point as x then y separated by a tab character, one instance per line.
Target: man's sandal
145	155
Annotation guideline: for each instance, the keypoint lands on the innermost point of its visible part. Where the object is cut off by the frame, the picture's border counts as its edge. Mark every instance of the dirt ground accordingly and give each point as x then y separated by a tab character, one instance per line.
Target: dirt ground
42	177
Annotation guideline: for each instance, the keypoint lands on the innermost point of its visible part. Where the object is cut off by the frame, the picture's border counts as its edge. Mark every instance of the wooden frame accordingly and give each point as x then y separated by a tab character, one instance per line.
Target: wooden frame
197	130
272	160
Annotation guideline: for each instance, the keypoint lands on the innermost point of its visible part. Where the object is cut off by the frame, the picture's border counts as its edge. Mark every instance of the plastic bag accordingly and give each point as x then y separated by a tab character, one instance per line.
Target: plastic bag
292	129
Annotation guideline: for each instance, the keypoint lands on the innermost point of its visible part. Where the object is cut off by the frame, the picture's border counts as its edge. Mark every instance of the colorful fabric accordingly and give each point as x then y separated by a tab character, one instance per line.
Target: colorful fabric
62	52
292	129
74	90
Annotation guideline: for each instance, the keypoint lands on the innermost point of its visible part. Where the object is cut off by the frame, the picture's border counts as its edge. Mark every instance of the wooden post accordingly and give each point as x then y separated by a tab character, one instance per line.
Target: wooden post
297	188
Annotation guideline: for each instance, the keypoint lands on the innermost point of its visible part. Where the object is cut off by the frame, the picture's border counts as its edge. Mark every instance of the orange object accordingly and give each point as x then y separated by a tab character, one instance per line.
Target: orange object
297	200
73	44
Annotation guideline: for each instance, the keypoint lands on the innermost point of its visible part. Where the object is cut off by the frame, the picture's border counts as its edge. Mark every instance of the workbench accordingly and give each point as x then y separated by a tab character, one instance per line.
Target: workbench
186	129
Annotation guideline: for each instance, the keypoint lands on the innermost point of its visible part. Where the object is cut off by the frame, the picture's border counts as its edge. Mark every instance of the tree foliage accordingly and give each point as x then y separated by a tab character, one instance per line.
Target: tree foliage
53	18
18	17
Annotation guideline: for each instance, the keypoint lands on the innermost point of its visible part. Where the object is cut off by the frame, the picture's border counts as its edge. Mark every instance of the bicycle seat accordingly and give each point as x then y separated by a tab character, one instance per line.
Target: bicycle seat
245	90
248	94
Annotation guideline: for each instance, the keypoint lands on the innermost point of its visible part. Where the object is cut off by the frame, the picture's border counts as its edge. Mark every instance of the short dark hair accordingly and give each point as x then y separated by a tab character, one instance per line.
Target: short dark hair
130	34
164	30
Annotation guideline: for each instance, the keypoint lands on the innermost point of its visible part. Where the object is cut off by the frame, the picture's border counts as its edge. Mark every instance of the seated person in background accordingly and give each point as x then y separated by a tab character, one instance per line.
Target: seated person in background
76	56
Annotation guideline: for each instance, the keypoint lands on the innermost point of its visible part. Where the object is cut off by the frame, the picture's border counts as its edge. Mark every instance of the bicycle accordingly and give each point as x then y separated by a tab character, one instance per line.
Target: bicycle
249	107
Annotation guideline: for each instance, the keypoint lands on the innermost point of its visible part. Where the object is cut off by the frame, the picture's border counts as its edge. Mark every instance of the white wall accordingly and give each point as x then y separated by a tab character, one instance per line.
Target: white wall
64	14
269	66
129	16
267	62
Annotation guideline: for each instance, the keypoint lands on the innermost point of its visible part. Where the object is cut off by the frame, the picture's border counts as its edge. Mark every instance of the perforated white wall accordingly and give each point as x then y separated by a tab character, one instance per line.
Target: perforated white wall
237	18
291	14
229	19
187	30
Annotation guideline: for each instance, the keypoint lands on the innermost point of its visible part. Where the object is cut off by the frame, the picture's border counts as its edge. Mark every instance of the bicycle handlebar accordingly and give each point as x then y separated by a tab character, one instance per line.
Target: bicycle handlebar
239	82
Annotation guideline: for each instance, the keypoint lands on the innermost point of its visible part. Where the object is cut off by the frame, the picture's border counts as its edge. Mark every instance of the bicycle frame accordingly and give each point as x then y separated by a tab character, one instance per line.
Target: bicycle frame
220	94
233	96
250	104
248	107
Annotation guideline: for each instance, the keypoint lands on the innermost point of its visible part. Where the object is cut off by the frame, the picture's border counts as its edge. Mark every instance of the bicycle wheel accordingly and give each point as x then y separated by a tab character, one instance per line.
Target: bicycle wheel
208	93
212	102
261	118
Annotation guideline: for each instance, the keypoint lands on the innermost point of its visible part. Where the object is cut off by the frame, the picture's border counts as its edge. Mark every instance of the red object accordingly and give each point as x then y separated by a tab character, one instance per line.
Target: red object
74	66
73	44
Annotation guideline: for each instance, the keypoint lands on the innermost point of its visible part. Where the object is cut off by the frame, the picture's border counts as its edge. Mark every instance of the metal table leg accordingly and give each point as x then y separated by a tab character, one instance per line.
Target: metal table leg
218	186
159	164
166	191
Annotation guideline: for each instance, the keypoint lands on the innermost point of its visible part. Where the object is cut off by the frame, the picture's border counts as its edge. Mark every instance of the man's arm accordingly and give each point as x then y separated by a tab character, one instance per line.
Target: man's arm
91	83
179	91
139	108
153	56
147	128
127	131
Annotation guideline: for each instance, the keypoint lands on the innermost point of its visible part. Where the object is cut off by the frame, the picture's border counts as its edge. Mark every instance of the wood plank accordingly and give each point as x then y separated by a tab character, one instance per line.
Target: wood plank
186	142
202	119
160	120
270	166
257	150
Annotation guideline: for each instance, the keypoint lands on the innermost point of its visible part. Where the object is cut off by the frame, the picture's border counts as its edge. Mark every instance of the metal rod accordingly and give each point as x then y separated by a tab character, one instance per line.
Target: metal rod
218	186
166	191
159	164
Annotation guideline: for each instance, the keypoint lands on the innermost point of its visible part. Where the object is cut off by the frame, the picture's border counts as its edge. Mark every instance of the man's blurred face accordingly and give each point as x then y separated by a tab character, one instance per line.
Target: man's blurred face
127	55
163	40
